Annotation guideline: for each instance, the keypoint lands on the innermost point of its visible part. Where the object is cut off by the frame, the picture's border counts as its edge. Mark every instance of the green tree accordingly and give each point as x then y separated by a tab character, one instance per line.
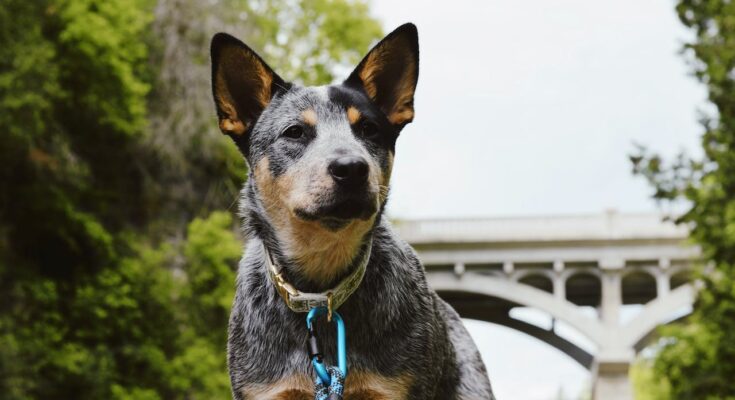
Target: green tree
696	360
73	92
117	248
307	41
647	385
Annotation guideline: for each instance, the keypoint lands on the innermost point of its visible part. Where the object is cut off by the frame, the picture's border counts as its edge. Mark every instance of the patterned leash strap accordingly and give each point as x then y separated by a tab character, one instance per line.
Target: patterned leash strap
336	387
330	380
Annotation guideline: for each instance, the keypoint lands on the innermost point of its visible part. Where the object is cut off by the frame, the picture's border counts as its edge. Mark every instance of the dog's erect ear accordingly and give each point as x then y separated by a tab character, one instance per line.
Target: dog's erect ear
389	73
242	84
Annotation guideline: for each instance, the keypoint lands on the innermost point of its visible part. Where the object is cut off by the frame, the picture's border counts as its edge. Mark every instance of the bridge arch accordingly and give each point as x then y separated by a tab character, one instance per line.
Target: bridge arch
583	287
520	274
600	261
512	294
538	280
657	312
679	277
638	286
522	295
501	316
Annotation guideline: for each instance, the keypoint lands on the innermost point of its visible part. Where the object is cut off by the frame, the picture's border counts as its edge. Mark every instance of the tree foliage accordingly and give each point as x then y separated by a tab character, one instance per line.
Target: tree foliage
306	41
695	359
117	246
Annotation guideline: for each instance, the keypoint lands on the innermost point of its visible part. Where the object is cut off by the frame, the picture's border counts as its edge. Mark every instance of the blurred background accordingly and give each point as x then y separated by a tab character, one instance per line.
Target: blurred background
550	139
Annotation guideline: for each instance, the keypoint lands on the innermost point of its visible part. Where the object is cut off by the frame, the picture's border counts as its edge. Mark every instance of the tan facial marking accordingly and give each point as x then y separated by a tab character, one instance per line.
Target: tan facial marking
296	387
402	111
234	127
371	386
322	254
264	94
403	115
385	179
272	192
402	108
371	67
231	122
309	117
295	395
353	115
358	386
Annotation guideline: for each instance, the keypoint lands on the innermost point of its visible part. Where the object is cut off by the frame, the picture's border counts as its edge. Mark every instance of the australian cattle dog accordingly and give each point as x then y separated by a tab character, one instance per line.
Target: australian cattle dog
320	163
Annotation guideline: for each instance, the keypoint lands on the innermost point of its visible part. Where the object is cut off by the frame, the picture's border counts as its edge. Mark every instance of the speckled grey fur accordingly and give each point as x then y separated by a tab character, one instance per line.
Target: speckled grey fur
396	325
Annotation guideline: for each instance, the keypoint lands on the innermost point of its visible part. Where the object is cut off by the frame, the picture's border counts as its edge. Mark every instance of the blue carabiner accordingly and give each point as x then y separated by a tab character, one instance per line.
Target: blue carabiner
321	370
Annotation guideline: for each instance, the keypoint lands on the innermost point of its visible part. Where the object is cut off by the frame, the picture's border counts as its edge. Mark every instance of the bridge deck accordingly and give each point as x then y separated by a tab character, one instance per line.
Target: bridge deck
562	266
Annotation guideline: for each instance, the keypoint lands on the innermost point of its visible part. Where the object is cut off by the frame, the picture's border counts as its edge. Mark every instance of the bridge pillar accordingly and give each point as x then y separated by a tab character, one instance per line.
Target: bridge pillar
663	286
611	381
612	299
559	289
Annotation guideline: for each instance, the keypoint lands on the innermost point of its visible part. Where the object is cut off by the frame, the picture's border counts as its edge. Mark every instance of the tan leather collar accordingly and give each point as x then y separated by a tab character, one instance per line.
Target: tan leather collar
299	301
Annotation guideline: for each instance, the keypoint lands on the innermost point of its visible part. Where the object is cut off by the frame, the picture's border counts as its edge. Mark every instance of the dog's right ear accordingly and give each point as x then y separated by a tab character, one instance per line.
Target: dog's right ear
389	72
242	83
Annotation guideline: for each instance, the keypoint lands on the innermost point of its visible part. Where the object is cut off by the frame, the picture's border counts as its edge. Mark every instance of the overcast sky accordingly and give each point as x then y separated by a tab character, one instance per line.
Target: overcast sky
530	107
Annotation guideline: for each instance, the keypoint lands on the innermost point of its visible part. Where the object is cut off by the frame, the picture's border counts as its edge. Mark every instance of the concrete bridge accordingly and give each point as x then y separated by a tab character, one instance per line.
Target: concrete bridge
581	271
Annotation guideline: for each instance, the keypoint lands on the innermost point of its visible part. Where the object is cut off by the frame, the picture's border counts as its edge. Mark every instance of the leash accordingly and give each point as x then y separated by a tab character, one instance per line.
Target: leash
329	382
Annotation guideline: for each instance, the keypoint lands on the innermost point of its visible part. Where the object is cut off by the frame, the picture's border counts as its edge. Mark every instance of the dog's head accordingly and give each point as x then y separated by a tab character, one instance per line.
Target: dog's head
320	157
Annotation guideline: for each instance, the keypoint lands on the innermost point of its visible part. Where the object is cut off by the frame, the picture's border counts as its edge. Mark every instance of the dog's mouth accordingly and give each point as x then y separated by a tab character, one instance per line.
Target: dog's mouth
339	212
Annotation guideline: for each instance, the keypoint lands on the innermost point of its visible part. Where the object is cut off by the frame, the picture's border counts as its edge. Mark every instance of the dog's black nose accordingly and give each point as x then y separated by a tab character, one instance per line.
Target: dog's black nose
349	170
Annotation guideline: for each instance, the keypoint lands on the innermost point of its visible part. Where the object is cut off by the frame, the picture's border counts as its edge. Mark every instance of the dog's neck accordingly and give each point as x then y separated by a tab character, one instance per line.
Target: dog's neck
313	257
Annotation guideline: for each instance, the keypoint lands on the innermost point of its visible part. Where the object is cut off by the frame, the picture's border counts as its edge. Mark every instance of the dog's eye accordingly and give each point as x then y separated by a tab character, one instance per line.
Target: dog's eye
369	130
293	132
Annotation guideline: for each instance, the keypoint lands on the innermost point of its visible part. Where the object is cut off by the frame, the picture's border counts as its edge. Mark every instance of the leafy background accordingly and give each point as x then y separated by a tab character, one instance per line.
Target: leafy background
696	359
118	242
117	238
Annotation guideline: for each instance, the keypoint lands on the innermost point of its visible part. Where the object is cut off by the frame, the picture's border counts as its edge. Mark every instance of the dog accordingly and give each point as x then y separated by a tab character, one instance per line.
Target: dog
320	162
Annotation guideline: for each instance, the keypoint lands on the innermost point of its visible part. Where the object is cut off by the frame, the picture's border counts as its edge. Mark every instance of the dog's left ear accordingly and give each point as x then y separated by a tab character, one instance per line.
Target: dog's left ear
242	83
389	72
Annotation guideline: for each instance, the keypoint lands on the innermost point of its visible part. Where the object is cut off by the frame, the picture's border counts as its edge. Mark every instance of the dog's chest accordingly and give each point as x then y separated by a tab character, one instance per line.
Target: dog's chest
360	385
